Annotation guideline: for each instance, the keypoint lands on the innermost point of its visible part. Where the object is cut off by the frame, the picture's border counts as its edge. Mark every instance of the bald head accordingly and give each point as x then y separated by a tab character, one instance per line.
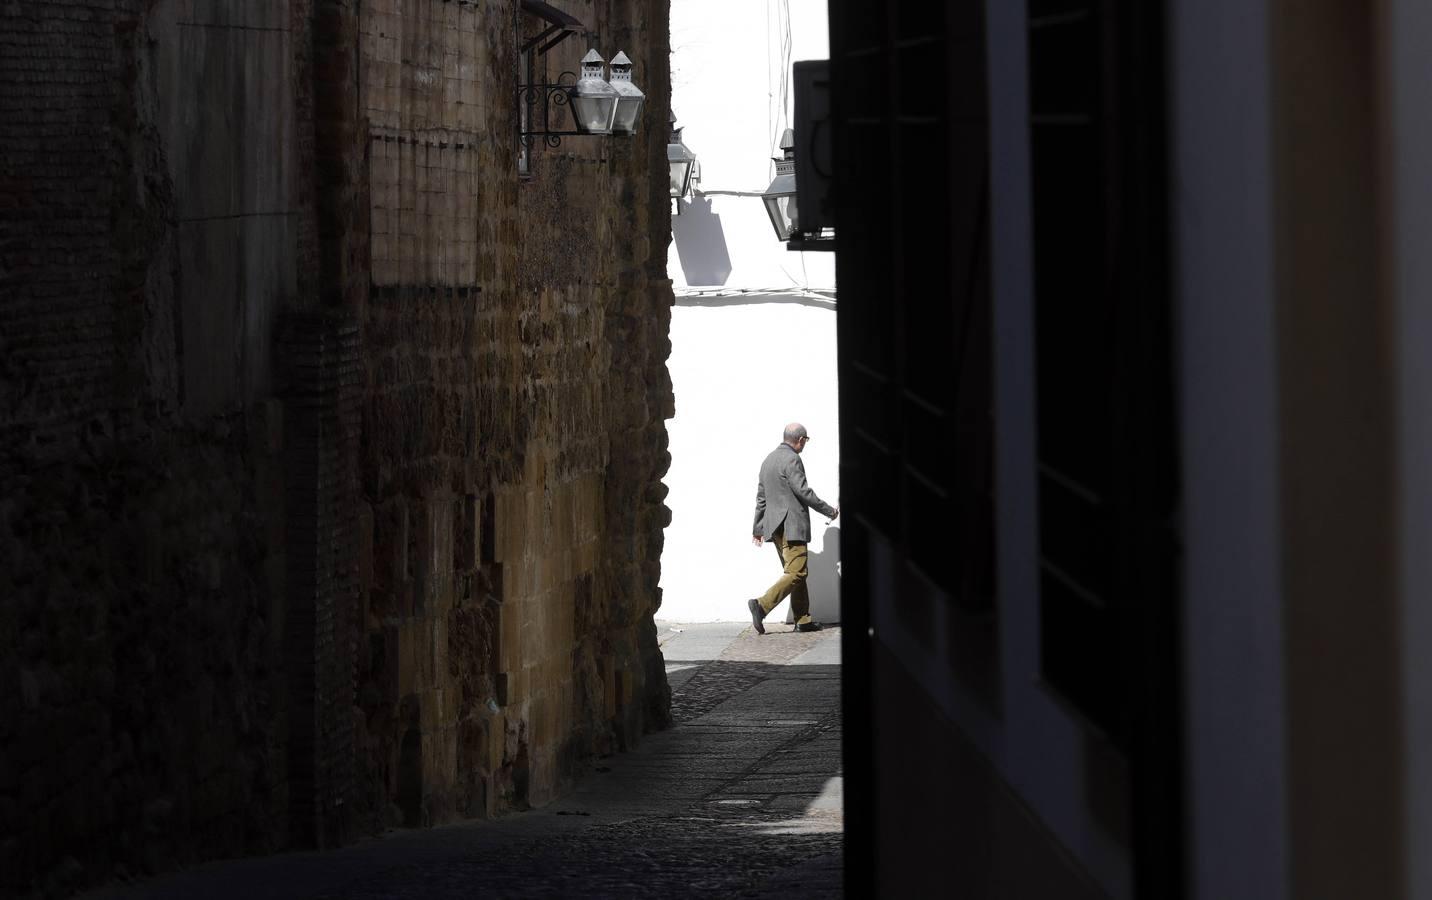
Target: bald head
794	433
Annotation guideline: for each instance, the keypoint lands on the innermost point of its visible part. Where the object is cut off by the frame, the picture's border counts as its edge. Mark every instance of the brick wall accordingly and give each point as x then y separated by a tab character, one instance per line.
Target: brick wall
139	703
74	242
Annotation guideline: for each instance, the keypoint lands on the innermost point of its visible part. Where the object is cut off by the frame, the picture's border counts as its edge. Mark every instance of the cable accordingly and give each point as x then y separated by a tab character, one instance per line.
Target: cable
790	60
769	118
779	93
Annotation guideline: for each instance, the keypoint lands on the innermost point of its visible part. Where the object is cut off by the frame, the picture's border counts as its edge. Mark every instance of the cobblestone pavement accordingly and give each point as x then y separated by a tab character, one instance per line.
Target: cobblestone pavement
742	798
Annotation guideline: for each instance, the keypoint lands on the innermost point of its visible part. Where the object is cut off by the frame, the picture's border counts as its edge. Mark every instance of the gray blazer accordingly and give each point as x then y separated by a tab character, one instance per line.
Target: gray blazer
783	497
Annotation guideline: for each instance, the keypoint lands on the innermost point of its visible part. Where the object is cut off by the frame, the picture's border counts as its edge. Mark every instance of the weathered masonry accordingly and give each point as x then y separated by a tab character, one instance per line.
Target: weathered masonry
330	443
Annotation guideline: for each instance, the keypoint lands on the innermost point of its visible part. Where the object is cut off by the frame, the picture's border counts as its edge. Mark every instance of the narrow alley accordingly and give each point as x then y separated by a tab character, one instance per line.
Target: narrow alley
741	798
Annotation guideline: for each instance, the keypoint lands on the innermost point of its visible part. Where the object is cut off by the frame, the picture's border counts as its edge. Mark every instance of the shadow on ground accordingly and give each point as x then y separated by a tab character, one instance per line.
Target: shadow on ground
740	798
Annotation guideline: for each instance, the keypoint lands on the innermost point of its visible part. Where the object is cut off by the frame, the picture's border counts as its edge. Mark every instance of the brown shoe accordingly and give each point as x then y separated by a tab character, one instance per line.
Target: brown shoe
757	614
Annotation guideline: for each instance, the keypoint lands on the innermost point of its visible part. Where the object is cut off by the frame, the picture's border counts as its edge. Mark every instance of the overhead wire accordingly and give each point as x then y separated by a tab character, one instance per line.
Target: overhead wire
781	26
770	93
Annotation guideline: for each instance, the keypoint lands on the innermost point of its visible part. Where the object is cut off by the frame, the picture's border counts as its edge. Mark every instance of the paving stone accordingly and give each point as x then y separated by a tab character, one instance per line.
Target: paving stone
741	804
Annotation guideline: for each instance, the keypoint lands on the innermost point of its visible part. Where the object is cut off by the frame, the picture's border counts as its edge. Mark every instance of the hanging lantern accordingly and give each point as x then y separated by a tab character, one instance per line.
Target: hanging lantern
682	163
594	102
629	96
780	197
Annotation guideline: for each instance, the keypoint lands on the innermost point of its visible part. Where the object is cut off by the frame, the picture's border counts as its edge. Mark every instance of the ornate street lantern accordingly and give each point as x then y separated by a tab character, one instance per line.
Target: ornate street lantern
780	197
594	102
683	165
629	96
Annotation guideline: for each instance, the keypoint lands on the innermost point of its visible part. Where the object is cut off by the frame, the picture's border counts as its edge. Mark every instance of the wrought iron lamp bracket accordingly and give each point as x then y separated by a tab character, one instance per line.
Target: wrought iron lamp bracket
539	100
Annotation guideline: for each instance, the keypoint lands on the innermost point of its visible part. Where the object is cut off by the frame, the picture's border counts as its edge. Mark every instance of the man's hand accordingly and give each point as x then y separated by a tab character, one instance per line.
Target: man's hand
835	516
756	539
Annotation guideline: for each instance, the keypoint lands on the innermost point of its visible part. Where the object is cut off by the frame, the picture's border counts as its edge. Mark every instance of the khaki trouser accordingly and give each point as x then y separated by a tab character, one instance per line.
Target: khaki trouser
793	582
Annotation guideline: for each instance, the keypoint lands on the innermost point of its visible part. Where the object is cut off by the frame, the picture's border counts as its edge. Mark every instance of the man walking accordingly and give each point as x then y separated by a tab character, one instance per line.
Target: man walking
783	501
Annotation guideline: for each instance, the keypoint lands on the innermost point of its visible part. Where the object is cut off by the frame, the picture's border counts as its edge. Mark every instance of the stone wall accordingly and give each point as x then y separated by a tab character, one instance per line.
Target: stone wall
140	710
330	448
516	392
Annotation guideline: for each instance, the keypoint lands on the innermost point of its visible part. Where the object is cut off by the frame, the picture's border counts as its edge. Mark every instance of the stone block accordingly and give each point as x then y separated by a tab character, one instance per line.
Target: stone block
562	516
469	533
586	558
442	776
496	725
412	656
380	223
265	424
533	537
547	632
564	618
625	689
542	781
509	634
537	573
213	313
505	538
587	508
518	693
363	526
434	557
542	716
440	647
431	719
385	270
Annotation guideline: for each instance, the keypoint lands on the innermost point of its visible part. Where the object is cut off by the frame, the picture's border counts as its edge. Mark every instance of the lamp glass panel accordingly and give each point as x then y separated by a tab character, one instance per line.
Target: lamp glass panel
680	176
628	109
785	218
593	115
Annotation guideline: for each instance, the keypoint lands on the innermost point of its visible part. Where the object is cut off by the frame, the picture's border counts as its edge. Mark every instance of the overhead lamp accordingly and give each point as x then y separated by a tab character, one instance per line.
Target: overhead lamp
780	197
629	96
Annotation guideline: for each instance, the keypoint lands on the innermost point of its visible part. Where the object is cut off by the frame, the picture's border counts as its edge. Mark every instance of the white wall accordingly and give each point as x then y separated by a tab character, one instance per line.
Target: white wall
734	394
742	365
727	92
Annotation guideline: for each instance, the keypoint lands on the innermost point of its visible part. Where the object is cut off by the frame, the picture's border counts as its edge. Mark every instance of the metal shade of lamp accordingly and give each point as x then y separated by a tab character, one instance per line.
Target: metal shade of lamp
682	163
594	102
780	197
629	96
